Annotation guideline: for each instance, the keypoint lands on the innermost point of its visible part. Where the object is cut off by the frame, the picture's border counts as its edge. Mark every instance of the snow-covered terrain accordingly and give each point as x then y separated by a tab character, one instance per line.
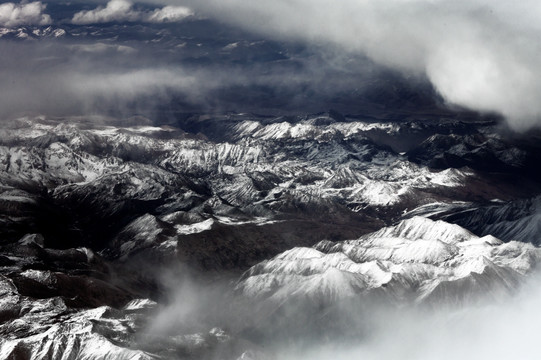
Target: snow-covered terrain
194	183
418	260
95	215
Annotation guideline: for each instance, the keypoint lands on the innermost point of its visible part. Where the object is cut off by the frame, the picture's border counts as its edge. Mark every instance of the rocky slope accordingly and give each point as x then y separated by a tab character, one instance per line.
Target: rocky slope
333	289
93	215
308	172
419	260
74	311
241	177
515	220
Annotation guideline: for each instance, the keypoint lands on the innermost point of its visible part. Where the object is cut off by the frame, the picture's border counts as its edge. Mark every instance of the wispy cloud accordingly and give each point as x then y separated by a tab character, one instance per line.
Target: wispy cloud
124	11
59	77
12	15
483	329
168	14
498	330
479	54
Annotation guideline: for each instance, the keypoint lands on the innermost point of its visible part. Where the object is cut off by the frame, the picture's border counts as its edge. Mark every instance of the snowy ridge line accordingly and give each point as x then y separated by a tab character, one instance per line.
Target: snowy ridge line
353	170
413	260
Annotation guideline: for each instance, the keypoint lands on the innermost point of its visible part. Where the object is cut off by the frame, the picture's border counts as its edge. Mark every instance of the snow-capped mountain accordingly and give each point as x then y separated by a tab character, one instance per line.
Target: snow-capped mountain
211	181
418	260
515	220
94	214
308	171
26	32
333	289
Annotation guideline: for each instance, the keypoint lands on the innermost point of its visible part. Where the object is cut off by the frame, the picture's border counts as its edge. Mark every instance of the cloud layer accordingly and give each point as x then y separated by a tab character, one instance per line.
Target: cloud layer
124	11
505	327
12	15
480	54
501	330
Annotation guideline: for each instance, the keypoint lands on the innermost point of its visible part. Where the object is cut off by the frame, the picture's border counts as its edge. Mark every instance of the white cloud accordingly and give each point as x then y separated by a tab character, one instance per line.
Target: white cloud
102	48
12	15
129	84
504	329
169	14
115	10
123	10
481	54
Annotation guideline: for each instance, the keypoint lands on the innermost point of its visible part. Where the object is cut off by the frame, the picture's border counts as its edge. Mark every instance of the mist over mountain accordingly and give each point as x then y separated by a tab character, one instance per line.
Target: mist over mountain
238	180
226	55
119	60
